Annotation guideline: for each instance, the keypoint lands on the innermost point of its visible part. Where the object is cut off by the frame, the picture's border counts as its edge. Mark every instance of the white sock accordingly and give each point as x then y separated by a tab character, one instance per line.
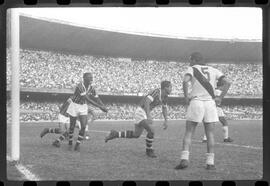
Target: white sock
185	155
225	131
204	137
210	158
86	128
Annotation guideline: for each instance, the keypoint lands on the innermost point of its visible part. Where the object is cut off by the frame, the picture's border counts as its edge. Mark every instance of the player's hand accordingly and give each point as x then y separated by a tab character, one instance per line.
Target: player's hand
218	100
187	100
165	125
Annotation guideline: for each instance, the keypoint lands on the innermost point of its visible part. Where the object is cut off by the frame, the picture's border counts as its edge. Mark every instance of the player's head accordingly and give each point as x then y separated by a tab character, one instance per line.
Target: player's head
166	86
88	77
196	58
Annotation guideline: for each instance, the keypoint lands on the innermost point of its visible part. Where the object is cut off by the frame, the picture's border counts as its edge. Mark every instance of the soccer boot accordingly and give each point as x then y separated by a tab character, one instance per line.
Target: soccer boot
150	153
77	147
228	140
56	143
113	134
44	132
182	165
210	167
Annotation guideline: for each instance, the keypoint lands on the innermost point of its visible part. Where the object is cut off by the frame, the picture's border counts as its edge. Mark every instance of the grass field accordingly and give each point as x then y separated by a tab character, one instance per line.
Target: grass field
125	159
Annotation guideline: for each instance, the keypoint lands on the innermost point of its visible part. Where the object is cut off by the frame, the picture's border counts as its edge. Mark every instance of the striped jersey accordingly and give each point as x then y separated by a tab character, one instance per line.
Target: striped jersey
210	74
81	91
155	97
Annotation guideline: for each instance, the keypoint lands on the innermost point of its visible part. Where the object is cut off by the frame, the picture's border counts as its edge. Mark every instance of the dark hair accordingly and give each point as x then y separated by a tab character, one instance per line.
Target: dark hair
196	56
165	84
86	74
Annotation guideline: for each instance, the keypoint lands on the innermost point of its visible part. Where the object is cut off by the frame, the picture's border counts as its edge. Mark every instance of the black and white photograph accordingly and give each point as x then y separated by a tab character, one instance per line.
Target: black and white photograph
143	93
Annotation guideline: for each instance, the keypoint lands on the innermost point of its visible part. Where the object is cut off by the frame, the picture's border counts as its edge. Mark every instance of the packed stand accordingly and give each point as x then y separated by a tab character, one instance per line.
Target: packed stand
43	69
37	111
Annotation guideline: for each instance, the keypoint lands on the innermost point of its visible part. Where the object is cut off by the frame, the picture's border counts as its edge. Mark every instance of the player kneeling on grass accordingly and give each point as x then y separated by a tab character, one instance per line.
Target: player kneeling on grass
223	121
63	126
63	119
201	105
143	119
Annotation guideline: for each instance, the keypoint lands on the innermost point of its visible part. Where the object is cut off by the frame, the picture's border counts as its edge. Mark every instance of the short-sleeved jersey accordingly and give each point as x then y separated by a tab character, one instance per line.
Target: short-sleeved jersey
80	92
155	97
210	73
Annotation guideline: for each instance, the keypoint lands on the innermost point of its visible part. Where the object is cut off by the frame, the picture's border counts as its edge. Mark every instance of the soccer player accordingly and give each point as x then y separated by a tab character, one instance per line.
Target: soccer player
79	109
143	119
223	121
63	124
201	105
63	119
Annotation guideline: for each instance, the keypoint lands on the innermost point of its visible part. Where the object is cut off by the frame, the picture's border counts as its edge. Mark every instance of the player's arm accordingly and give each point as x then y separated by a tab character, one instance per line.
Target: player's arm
186	80
147	102
225	84
96	96
165	115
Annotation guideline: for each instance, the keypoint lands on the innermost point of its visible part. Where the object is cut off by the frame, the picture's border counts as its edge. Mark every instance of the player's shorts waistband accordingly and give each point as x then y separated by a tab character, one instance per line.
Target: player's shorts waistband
79	103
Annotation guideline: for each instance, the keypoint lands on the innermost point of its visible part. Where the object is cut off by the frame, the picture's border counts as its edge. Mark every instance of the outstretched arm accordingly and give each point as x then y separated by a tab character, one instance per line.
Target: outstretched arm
101	107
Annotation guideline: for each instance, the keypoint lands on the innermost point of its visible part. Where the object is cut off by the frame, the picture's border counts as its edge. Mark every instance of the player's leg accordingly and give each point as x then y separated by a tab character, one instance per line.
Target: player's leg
147	125
50	130
210	118
195	113
71	129
190	130
209	131
83	121
61	119
225	129
136	133
64	135
139	117
92	117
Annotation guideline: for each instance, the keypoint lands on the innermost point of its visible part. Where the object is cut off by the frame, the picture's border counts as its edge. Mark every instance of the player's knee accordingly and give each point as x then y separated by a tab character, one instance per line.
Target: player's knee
150	134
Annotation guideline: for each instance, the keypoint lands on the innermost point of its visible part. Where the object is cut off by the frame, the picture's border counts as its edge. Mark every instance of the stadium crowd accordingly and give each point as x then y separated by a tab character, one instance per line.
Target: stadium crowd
43	69
41	111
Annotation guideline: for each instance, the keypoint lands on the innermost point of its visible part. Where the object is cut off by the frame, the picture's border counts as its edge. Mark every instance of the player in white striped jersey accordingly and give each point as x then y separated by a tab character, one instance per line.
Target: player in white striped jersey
201	105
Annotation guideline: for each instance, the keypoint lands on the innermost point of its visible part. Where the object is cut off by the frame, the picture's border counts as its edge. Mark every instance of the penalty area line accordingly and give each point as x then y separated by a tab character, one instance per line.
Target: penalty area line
24	171
226	144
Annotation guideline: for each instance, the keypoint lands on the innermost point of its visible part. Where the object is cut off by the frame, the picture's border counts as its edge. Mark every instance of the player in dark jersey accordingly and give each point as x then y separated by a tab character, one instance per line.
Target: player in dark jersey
143	119
78	108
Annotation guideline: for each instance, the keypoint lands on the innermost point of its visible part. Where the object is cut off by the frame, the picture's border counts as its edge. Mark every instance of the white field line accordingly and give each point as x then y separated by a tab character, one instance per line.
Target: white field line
24	171
226	144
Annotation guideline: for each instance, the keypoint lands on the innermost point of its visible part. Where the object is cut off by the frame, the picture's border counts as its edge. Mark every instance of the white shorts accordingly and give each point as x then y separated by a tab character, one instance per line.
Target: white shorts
139	115
76	110
199	111
220	112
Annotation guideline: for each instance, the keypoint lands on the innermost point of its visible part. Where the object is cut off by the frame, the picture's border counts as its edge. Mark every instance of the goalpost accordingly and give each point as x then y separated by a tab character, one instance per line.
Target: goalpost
15	84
